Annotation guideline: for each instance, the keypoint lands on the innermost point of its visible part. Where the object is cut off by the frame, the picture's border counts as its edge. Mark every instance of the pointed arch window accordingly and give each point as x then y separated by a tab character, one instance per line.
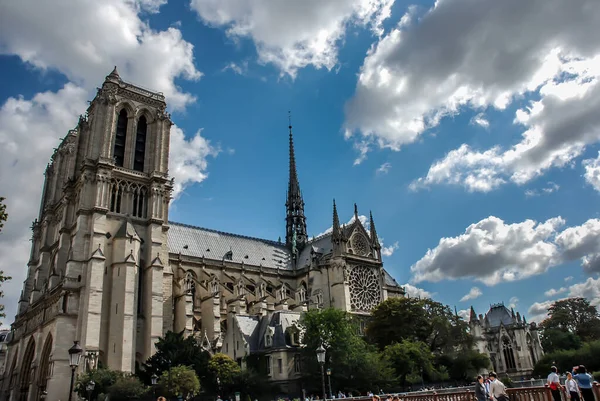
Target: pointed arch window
140	144
120	138
509	356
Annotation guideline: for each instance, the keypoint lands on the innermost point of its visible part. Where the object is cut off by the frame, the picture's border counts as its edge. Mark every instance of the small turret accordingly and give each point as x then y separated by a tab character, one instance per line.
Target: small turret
114	75
374	238
336	234
473	316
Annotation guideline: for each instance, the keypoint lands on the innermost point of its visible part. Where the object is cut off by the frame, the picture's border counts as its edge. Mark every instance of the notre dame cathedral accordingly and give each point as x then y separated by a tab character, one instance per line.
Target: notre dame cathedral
109	270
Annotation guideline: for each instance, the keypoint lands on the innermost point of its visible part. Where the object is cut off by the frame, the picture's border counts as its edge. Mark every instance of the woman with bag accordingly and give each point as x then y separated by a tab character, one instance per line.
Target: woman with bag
554	383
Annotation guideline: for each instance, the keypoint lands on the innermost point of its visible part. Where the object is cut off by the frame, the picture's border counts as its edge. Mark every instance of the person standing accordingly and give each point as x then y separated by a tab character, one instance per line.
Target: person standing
572	387
553	382
584	380
497	388
480	392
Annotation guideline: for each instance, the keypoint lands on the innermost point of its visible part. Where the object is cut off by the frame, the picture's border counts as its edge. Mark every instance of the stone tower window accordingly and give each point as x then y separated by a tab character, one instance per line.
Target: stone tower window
140	144
509	356
120	137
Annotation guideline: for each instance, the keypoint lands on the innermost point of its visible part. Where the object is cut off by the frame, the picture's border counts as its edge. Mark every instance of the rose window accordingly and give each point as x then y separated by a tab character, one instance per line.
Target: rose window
365	291
360	245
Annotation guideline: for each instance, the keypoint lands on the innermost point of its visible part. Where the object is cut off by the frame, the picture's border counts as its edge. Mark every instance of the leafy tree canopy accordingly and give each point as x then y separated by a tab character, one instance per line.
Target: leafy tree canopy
574	315
180	381
224	368
103	379
355	365
127	388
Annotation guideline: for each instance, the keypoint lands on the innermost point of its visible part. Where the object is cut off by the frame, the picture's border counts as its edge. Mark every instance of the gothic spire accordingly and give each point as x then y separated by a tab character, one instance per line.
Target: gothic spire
355	212
473	316
374	239
114	74
336	233
295	234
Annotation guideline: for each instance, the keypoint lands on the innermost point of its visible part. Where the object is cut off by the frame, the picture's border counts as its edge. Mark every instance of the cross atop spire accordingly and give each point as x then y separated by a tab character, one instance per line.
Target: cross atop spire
295	234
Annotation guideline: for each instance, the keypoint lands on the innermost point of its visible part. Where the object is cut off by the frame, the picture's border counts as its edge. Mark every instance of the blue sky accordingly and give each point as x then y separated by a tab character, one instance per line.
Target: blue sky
469	129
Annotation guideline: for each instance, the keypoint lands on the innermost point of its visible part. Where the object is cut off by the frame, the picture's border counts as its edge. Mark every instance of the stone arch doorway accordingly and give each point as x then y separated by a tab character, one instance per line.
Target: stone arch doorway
45	366
26	371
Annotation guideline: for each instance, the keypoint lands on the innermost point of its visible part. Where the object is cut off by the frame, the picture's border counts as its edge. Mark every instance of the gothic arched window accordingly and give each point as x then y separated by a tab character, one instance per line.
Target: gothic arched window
509	356
120	138
140	144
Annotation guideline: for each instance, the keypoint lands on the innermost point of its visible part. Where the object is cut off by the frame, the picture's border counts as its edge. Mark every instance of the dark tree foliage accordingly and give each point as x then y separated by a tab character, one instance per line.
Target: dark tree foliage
355	365
588	355
572	315
176	350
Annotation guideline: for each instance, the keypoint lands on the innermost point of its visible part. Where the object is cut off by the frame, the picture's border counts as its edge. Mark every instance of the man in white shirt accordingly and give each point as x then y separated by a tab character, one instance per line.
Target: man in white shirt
497	389
554	383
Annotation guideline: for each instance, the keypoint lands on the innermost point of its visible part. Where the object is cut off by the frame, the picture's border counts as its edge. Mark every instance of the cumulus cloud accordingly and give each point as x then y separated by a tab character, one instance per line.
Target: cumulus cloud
85	39
492	251
459	55
188	158
589	289
552	292
465	314
592	172
388	250
364	220
293	34
472	294
513	302
415	292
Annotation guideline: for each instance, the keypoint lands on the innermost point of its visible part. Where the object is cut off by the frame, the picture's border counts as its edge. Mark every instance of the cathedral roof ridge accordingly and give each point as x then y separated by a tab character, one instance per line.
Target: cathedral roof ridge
212	230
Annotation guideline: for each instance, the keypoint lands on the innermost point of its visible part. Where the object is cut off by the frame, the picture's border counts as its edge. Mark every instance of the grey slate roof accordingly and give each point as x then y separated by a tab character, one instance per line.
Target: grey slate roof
389	280
212	244
248	326
499	314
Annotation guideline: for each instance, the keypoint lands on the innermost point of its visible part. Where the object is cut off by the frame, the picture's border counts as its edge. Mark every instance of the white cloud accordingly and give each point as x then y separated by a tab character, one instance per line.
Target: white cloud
188	159
413	291
465	314
552	292
551	187
492	251
589	289
460	55
293	34
389	250
513	302
84	39
472	294
592	172
29	130
538	311
582	242
568	278
384	168
480	120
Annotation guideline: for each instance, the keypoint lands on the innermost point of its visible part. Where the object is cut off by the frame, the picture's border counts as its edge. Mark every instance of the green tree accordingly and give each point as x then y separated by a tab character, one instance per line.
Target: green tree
355	365
224	368
555	339
180	381
176	350
574	315
411	360
3	278
127	388
103	379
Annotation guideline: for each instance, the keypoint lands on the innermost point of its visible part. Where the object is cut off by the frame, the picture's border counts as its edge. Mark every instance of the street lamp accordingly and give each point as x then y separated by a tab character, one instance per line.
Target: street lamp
321	359
74	357
90	389
329	378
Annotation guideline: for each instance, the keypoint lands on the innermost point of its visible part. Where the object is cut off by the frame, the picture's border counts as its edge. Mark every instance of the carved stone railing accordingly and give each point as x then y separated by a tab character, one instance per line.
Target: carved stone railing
466	394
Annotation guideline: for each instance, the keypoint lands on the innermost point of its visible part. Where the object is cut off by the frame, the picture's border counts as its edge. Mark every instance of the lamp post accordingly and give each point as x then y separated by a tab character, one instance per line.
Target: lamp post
329	379
321	359
90	389
74	357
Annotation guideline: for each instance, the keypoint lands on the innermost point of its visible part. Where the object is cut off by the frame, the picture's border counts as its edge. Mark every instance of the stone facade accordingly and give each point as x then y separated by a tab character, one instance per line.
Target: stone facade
109	270
512	344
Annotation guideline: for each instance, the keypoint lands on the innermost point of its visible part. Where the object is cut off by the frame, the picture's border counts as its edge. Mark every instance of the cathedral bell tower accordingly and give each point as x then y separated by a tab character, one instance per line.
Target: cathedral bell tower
295	234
